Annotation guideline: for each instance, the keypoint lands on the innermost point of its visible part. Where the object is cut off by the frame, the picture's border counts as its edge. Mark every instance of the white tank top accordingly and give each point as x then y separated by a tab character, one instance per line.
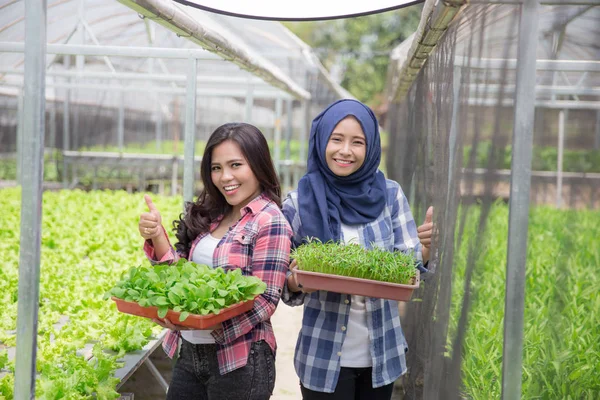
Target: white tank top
203	254
356	347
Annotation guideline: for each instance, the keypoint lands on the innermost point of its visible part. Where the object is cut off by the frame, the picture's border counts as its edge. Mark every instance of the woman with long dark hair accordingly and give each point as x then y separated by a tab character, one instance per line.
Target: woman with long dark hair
236	222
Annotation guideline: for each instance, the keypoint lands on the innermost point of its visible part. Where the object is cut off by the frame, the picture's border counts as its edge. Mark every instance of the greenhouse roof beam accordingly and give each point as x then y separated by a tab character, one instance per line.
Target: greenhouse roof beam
271	93
90	32
176	19
557	104
541	65
539	89
435	20
129	76
561	26
489	89
121	51
150	31
113	51
316	65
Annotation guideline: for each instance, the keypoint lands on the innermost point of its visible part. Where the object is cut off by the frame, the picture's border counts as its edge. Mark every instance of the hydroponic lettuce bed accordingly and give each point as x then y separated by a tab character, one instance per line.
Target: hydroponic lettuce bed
88	239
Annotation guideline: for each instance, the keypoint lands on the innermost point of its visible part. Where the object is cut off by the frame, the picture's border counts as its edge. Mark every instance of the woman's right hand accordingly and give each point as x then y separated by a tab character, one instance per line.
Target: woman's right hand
150	225
293	280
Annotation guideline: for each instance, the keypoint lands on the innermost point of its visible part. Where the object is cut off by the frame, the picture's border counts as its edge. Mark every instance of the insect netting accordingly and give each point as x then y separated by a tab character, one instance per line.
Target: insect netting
450	146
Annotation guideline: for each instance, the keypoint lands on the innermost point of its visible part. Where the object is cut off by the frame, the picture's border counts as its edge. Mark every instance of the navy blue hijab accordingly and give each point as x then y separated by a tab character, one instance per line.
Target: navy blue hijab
325	199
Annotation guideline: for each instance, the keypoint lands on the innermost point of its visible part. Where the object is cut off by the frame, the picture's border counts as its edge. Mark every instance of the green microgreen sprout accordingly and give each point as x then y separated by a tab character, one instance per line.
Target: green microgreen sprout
353	260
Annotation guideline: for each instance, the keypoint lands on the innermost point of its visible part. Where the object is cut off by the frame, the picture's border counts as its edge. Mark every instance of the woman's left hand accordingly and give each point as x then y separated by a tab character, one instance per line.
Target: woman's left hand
165	323
425	233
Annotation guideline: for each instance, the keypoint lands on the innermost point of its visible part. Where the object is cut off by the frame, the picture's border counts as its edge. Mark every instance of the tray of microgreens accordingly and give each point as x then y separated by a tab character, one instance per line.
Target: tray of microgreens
188	294
352	269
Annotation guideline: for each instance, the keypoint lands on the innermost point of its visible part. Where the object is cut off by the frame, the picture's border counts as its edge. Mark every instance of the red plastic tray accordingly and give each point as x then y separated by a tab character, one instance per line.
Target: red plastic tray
193	320
357	286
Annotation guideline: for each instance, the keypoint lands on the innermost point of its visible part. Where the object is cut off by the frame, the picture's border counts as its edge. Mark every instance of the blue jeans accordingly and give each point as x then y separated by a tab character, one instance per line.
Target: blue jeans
196	375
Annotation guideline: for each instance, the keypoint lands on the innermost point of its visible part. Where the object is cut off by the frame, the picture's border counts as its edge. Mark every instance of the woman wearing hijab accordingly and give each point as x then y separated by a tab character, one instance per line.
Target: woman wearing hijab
349	347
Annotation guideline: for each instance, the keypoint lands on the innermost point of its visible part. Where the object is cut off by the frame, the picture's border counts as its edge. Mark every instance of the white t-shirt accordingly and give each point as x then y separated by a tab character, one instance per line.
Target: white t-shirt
203	254
356	348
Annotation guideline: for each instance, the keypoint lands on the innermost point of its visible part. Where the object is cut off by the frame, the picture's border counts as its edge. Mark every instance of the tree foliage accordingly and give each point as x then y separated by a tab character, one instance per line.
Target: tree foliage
358	49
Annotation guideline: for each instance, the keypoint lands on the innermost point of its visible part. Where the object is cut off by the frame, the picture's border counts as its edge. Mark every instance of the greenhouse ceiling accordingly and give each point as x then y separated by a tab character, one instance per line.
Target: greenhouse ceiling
239	51
568	53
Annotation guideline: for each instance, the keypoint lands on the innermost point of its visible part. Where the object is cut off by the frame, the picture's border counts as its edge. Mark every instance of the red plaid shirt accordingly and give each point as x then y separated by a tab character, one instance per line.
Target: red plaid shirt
259	244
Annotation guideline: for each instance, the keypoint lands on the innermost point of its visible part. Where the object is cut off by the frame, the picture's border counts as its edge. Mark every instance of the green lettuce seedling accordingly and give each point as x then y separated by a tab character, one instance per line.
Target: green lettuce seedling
186	287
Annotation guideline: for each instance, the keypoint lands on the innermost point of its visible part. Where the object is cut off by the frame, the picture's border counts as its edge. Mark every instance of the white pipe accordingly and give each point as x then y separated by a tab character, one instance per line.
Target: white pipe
559	163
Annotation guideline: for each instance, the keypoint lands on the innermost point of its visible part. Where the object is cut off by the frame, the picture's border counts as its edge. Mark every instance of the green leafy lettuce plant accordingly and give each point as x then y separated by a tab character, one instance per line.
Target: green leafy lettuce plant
355	261
186	287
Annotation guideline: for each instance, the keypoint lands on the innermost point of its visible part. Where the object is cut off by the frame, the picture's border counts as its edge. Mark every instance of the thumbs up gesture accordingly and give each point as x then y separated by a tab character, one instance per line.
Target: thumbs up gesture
425	232
150	224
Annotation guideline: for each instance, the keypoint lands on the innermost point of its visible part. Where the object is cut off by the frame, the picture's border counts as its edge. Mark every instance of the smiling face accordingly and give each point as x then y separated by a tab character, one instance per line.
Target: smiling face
232	175
346	148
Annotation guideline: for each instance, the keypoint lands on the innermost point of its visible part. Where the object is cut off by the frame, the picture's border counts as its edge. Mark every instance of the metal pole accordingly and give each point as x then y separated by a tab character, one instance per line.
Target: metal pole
559	164
277	133
116	51
80	59
305	129
174	176
121	123
66	122
53	127
158	127
457	74
75	142
206	92
79	64
289	132
249	104
597	141
519	201
31	198
413	188
52	146
190	132
156	373
19	142
236	84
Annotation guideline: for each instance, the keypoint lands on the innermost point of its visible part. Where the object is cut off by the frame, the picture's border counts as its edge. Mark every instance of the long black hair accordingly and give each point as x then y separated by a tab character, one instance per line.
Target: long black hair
211	203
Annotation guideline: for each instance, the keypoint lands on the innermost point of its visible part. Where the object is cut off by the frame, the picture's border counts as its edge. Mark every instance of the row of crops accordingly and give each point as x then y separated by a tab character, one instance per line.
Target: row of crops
53	159
561	351
88	241
544	158
90	238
